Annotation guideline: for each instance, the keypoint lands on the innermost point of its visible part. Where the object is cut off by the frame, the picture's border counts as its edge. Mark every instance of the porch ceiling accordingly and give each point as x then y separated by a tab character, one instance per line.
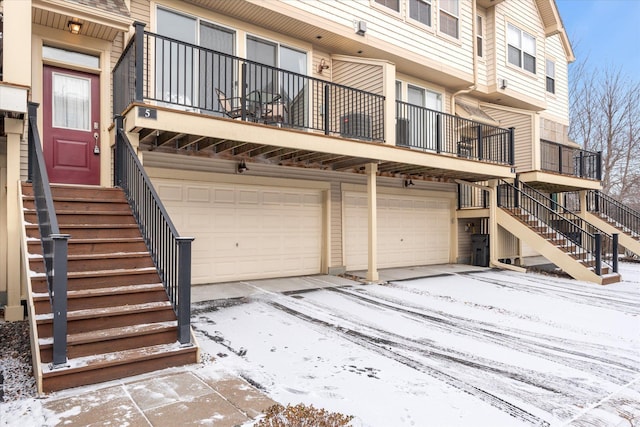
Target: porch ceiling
101	20
193	134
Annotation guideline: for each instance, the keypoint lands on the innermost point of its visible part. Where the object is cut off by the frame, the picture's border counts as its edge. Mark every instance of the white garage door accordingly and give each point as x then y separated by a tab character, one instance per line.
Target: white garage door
246	232
411	230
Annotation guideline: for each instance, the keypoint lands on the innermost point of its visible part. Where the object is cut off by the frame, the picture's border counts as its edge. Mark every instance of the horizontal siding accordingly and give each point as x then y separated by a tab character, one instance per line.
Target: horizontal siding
393	28
140	10
168	161
523	134
508	244
524	15
365	77
490	47
558	103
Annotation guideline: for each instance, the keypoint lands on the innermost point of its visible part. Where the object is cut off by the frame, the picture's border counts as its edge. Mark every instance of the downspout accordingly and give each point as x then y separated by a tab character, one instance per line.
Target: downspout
475	59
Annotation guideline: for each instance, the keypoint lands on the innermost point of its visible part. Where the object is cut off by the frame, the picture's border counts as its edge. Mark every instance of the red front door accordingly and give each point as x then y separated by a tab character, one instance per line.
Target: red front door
71	134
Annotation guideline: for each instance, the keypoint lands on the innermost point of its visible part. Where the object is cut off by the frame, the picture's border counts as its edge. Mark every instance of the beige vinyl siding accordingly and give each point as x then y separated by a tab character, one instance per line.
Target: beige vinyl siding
508	244
482	61
523	122
490	46
392	28
466	228
316	57
361	76
335	179
140	10
523	14
558	103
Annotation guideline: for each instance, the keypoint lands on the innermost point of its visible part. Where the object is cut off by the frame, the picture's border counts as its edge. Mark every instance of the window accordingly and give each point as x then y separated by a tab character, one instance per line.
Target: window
521	49
449	17
420	10
398	90
68	56
391	4
551	76
479	37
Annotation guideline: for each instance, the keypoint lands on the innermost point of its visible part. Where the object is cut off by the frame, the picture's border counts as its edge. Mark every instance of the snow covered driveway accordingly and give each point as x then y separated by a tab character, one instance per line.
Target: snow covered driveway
483	349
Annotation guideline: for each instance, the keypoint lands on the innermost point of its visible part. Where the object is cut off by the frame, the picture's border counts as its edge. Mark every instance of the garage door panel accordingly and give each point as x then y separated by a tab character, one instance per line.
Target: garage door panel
411	230
246	232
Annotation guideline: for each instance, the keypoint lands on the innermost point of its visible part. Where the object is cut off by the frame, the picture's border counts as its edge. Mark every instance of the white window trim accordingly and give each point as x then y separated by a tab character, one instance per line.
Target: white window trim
417	23
457	17
521	49
386	9
554	77
480	35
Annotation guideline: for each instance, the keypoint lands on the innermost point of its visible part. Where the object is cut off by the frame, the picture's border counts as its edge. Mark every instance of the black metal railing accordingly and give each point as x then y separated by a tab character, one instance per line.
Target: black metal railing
622	214
171	253
431	130
565	160
581	243
609	245
472	197
54	244
190	77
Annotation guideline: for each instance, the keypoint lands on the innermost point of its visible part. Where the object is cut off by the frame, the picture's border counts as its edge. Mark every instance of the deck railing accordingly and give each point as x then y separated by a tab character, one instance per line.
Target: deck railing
565	160
171	253
431	130
622	214
54	244
193	78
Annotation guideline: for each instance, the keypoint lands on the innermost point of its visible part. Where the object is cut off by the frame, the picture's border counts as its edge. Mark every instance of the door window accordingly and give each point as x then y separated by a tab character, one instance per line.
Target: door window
71	102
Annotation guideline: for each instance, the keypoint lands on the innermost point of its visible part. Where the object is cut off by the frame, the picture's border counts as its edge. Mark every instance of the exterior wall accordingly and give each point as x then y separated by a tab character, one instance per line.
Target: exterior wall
398	31
508	244
524	15
554	131
524	123
558	103
363	76
259	172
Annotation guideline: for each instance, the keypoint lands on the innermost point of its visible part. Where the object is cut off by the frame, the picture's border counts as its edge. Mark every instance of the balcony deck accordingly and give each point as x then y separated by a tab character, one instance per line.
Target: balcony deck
189	105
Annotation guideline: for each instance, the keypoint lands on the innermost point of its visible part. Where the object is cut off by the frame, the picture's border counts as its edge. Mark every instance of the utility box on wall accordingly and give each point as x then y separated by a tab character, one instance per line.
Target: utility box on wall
480	250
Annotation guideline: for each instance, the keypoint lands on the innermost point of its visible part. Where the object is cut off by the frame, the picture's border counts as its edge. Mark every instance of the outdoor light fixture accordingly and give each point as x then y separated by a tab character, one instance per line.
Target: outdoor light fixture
242	167
322	66
408	182
74	27
360	27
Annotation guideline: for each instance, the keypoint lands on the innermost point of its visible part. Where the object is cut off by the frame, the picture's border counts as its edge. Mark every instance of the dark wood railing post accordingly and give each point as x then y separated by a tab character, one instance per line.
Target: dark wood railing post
614	261
598	253
599	165
512	146
243	90
516	193
117	158
581	164
59	298
459	196
438	133
184	289
33	116
480	148
139	64
327	108
559	158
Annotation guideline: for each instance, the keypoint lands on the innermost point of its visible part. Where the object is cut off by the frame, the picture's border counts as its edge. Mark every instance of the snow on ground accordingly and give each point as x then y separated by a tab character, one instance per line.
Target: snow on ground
493	348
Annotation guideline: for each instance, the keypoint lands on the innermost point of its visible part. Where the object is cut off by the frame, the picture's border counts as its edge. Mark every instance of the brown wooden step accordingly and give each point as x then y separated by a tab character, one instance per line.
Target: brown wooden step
89	217
95	246
103	297
113	339
101	279
108	317
102	262
91	231
81	205
110	366
610	278
77	192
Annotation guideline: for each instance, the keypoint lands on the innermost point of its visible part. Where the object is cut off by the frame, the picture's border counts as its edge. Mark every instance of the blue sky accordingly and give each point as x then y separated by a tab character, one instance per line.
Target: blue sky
607	32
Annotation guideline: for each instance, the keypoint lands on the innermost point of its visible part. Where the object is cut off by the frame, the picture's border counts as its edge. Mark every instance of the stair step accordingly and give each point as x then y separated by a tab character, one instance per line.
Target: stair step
67	218
88	231
101	279
95	246
79	192
113	339
609	278
86	320
103	297
110	366
101	262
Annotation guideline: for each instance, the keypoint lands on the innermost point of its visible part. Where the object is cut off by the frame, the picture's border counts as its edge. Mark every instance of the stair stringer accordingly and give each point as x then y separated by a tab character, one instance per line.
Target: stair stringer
624	239
547	249
33	326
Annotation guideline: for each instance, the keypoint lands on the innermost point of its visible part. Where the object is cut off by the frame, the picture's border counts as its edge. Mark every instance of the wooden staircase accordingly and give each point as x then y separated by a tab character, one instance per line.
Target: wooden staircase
120	321
629	239
554	246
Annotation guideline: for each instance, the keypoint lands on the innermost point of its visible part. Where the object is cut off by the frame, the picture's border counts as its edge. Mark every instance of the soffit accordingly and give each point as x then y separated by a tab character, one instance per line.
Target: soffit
477	114
553	25
101	19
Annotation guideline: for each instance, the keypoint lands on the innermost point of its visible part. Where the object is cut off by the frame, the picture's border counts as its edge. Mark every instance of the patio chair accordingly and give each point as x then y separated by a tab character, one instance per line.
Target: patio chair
275	112
232	107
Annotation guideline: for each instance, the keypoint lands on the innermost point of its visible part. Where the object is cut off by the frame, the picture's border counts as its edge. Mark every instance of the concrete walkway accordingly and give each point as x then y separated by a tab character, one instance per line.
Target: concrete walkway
175	397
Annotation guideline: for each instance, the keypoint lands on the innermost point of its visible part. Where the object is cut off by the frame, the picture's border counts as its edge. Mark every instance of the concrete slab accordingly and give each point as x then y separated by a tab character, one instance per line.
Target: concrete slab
249	288
165	390
405	273
242	395
105	407
210	409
